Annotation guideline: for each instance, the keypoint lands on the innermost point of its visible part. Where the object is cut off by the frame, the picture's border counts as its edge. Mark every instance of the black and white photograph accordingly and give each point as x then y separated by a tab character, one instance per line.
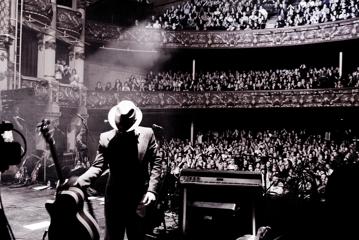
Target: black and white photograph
179	119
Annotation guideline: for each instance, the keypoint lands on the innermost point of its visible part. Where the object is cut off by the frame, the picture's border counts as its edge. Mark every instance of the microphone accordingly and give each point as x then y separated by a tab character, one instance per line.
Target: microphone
155	126
81	117
82	120
20	118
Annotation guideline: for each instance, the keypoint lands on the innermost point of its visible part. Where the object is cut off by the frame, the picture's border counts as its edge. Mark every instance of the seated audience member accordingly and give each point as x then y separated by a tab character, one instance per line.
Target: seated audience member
99	87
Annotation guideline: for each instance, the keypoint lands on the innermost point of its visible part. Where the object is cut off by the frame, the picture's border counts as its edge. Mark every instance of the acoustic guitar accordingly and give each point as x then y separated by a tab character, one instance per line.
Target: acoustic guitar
70	219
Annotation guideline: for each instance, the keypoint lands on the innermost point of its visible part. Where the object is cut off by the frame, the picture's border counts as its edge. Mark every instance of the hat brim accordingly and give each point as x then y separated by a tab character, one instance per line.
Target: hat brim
112	114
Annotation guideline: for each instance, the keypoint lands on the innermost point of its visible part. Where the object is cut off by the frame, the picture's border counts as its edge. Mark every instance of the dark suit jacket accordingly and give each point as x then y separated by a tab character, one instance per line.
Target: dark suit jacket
133	161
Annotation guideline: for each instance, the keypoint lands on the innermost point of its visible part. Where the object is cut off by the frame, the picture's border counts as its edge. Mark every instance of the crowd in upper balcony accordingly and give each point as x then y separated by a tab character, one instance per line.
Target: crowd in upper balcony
291	161
233	15
212	15
316	11
302	77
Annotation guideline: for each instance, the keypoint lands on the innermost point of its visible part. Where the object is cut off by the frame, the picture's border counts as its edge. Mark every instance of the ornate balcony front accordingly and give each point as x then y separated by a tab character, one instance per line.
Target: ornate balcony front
238	99
40	86
39	12
69	21
69	96
151	38
65	95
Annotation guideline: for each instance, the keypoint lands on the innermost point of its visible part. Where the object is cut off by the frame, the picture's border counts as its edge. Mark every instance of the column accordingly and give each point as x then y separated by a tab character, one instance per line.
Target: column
192	132
77	56
5	40
49	60
47	50
40	56
46	70
340	64
49	55
3	65
77	60
11	59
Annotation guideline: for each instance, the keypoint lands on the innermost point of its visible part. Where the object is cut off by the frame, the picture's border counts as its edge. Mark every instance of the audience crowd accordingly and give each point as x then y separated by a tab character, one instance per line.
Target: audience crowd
316	11
282	79
65	74
212	15
233	15
296	162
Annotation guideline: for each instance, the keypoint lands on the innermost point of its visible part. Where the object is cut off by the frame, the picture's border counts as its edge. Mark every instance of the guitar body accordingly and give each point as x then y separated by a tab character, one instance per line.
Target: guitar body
69	218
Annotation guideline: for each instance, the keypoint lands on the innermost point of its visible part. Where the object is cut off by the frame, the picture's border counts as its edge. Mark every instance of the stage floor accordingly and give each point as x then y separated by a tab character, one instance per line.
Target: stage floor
28	218
26	213
25	210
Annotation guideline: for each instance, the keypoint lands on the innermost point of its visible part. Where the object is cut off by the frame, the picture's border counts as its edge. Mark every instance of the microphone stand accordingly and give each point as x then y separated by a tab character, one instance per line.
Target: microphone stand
263	160
87	134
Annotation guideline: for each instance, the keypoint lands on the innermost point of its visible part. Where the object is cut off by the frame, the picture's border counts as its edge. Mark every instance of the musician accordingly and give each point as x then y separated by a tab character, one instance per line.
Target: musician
130	153
59	137
81	146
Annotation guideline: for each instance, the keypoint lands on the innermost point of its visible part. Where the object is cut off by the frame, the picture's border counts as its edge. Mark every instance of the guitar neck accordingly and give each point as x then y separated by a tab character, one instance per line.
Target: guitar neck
44	129
56	162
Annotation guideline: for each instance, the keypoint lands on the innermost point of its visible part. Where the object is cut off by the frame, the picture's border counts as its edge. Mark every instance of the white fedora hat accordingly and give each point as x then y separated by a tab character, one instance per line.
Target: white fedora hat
126	115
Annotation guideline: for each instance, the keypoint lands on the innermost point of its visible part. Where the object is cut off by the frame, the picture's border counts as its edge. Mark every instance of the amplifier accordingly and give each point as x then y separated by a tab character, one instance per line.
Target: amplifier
224	178
215	197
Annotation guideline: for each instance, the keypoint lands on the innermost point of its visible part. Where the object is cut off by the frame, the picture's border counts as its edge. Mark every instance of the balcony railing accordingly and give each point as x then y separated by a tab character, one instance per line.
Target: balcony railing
64	94
69	21
71	97
139	37
235	99
39	11
40	86
38	15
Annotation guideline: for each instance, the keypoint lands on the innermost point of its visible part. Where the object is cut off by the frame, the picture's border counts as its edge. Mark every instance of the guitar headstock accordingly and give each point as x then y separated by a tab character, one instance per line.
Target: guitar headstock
44	128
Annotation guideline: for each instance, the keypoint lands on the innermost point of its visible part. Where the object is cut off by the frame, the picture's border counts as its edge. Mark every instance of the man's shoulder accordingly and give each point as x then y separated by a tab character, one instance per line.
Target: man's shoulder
108	135
142	130
110	132
145	131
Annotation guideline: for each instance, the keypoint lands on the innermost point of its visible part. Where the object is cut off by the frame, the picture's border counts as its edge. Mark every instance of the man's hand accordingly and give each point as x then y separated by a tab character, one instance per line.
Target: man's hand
149	198
69	182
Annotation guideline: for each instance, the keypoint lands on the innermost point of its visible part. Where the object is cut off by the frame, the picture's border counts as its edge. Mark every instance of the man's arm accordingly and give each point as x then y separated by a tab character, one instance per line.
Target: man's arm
155	165
97	167
155	171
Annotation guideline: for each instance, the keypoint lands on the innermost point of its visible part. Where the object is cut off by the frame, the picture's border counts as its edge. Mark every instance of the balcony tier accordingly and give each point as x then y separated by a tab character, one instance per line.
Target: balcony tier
72	97
135	38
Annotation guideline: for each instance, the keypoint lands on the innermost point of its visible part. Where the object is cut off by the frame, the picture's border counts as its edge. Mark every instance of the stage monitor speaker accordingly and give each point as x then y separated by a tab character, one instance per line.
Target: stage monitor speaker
218	203
213	220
